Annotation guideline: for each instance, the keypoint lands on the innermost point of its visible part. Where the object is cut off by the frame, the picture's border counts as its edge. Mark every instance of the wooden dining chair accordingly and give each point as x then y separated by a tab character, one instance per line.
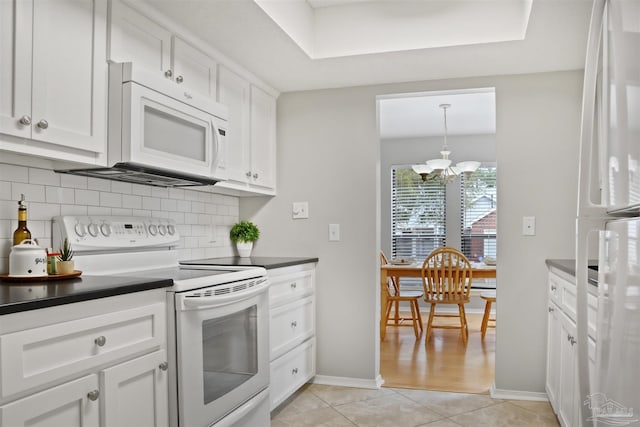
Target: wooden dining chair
490	298
446	276
394	297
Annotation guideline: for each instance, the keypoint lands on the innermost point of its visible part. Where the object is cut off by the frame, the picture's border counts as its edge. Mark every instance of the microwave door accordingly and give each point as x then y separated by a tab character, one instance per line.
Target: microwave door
165	133
218	166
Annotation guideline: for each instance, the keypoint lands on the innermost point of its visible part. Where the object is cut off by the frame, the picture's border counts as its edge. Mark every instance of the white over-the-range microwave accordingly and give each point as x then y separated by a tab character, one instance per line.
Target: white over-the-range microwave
160	133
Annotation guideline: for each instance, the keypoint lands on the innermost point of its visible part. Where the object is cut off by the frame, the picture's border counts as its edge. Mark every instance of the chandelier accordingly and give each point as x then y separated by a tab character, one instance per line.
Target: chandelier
441	169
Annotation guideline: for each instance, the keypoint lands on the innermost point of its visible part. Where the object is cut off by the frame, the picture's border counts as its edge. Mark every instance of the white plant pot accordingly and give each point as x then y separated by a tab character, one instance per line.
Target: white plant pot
244	249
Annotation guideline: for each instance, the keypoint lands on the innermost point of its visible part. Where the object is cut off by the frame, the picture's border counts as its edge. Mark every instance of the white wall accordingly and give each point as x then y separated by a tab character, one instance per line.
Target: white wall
329	155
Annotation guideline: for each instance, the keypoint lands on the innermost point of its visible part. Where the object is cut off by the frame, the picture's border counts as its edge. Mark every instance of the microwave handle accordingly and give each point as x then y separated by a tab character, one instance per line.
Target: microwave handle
218	147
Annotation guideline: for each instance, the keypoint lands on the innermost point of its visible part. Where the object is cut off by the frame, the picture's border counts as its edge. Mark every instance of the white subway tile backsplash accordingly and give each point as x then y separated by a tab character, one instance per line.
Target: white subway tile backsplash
132	202
168	205
14	173
32	192
73	181
87	197
121	187
60	195
99	184
151	203
111	200
202	219
43	177
141	190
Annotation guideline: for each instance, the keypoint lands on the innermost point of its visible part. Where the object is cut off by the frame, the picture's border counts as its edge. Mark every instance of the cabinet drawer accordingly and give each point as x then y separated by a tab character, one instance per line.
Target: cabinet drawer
37	356
291	371
289	287
568	300
555	285
290	325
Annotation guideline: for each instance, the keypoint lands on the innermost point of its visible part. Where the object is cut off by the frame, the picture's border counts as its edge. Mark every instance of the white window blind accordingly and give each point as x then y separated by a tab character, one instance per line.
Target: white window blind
417	215
479	214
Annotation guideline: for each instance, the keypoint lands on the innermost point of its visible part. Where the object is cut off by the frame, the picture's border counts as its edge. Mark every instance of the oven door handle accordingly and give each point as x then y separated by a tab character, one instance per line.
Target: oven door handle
196	303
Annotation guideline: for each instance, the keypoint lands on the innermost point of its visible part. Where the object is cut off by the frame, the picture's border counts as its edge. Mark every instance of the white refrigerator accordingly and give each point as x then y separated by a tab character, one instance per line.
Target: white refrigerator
608	222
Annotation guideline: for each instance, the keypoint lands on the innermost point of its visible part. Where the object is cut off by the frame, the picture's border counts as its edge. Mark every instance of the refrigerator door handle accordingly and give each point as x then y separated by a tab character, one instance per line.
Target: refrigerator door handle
586	207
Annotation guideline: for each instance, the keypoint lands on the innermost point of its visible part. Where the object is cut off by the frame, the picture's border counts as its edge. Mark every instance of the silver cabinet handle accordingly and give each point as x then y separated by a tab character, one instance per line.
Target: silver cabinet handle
163	366
255	176
100	341
553	287
248	174
93	395
43	124
179	79
294	371
572	340
294	324
168	73
25	120
294	285
550	309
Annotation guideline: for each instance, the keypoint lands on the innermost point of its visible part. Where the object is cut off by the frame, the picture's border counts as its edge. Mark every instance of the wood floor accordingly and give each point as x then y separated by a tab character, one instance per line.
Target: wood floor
444	364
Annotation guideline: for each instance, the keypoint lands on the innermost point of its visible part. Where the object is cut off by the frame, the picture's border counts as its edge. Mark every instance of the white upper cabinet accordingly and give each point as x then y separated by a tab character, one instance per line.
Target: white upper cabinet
136	38
53	74
263	139
193	69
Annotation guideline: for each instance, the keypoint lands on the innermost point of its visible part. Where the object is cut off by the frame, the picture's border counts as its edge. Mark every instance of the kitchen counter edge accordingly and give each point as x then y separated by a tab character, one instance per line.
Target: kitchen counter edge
18	297
268	263
569	266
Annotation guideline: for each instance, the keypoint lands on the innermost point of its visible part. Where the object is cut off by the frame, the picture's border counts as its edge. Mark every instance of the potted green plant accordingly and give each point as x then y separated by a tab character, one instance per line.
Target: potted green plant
243	234
65	264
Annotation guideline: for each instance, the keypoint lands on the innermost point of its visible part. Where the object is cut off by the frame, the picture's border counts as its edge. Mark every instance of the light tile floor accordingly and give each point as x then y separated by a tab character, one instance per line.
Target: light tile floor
320	405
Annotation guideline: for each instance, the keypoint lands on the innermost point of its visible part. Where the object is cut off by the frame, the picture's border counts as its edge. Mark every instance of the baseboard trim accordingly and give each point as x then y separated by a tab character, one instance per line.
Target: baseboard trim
349	382
516	394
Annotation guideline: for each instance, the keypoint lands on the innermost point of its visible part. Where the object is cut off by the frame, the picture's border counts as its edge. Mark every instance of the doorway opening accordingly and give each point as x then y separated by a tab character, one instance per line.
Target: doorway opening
419	215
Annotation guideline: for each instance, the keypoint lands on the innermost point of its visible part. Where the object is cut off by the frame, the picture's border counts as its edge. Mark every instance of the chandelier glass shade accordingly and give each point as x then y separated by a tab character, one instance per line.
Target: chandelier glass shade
441	169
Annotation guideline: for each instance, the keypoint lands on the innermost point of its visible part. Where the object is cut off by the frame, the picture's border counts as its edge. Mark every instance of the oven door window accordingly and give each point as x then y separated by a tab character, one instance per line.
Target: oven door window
229	352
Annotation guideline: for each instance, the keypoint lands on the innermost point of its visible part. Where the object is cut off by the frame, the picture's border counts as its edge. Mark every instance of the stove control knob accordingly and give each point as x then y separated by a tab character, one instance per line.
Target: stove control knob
171	229
162	229
105	229
80	230
93	229
153	229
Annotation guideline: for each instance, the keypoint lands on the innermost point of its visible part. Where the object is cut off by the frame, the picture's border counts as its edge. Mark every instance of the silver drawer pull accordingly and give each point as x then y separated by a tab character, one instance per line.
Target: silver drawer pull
43	124
255	176
248	174
168	73
550	309
179	79
294	371
572	340
100	341
164	366
553	287
93	395
294	285
294	324
25	120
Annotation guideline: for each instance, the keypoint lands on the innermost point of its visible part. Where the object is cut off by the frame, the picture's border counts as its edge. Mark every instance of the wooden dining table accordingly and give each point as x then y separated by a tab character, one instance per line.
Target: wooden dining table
478	271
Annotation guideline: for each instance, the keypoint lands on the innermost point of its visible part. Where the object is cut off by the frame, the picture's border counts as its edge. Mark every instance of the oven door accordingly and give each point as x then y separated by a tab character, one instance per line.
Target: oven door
160	131
222	352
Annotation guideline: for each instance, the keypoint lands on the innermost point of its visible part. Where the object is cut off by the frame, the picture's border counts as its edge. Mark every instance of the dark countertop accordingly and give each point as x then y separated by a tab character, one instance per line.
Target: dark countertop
569	267
16	297
266	262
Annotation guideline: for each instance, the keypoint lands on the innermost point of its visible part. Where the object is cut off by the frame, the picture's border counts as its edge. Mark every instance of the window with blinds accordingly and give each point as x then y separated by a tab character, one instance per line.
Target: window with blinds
418	214
478	216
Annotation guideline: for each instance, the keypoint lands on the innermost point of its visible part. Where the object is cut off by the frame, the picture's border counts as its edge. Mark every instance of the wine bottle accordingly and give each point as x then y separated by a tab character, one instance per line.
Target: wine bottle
22	232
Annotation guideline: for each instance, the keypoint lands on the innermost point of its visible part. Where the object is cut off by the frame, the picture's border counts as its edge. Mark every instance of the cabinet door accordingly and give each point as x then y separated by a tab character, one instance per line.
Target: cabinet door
553	354
135	38
263	139
193	69
233	91
568	408
69	73
15	70
135	393
66	405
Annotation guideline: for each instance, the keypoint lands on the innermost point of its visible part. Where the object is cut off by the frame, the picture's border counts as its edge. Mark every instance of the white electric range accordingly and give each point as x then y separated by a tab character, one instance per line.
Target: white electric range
218	333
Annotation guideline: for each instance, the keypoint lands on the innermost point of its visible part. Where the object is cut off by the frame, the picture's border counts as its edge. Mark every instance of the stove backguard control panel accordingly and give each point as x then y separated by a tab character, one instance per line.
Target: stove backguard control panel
88	233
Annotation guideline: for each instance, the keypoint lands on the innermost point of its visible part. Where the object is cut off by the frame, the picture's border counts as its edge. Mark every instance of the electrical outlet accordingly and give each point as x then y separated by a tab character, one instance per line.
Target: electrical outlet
334	232
300	210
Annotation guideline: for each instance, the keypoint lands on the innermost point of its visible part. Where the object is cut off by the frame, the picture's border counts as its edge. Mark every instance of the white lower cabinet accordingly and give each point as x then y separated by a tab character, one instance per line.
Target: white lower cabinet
96	363
292	329
562	349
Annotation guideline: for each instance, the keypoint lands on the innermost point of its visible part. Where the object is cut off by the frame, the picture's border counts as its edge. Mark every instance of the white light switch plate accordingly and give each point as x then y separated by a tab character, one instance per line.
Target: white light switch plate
528	225
334	232
300	210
